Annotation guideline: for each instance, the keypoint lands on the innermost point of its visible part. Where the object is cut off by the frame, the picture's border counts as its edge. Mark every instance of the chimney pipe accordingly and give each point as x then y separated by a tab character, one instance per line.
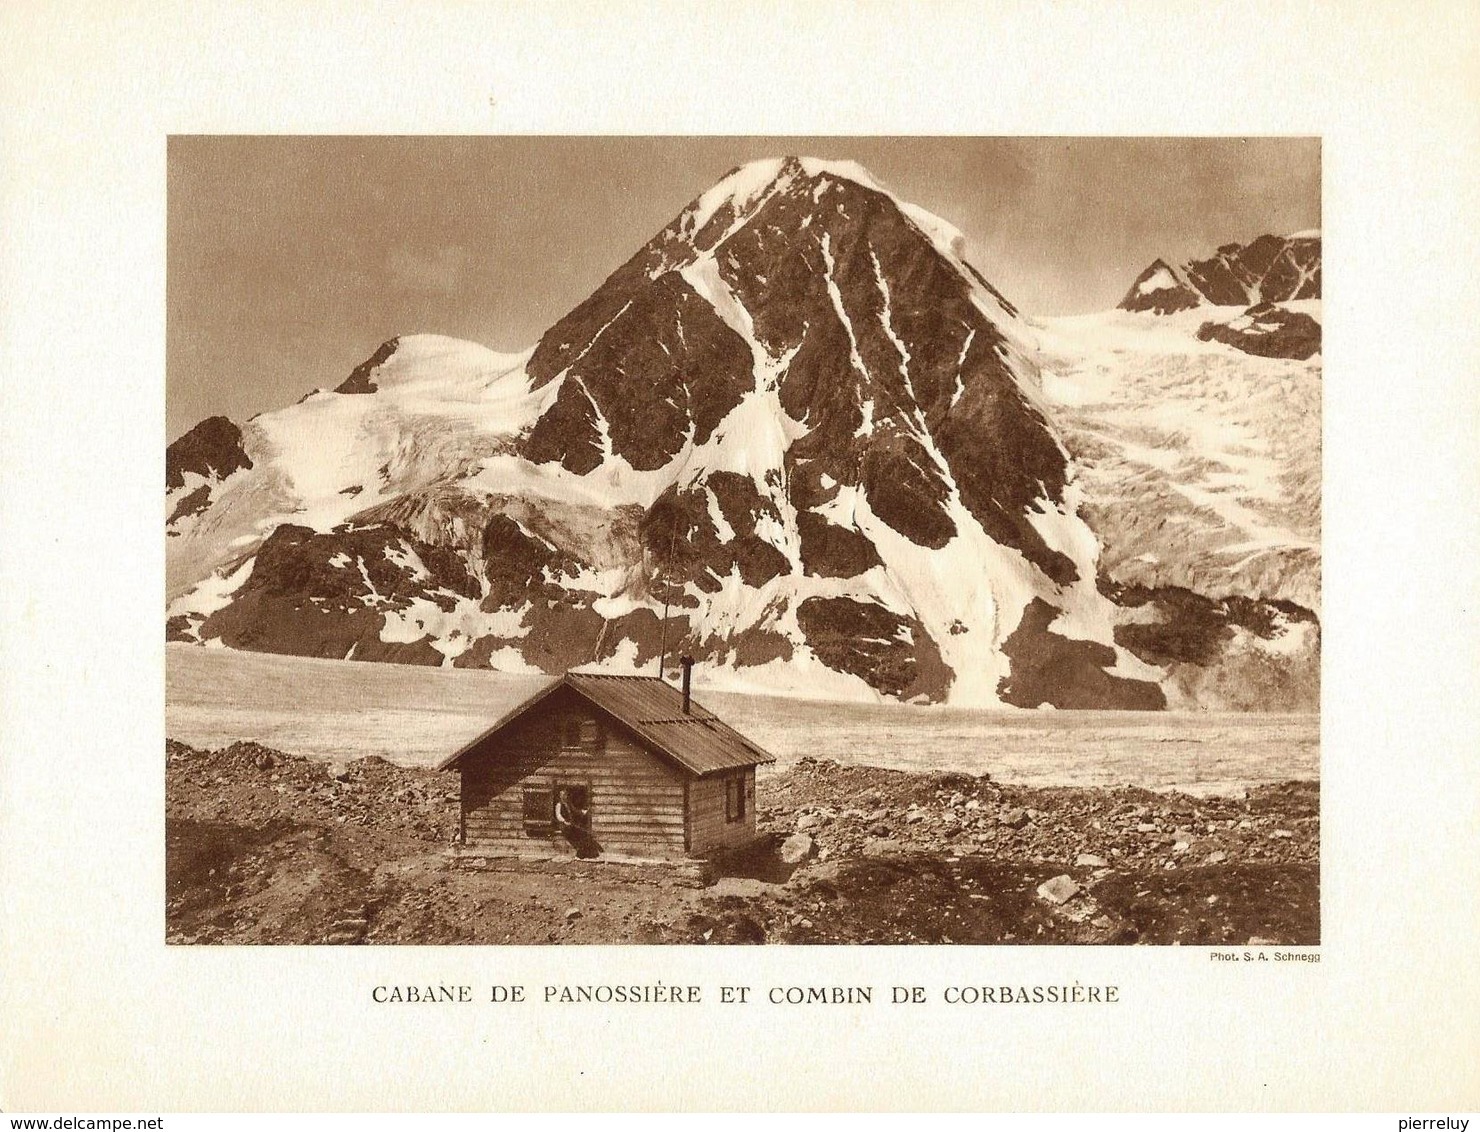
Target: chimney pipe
688	672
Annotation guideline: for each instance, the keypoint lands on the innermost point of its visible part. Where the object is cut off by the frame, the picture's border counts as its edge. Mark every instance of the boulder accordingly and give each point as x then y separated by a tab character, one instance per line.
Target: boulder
1090	861
1017	817
882	847
1059	889
797	848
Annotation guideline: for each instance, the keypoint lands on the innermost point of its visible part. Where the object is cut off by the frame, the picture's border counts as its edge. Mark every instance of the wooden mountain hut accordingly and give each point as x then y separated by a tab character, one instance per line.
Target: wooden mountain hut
596	765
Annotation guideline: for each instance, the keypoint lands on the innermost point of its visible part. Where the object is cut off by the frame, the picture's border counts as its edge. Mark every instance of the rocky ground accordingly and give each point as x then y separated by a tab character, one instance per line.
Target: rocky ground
264	847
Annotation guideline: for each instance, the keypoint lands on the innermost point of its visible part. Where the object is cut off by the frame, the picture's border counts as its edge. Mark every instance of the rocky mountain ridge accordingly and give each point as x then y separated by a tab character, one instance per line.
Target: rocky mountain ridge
1271	269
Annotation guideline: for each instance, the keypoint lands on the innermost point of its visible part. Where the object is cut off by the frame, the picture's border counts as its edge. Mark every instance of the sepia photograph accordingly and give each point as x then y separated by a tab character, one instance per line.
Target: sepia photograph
791	558
741	540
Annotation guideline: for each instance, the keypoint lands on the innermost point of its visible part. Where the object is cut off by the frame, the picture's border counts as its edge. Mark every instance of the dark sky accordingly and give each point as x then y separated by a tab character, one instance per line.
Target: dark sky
292	258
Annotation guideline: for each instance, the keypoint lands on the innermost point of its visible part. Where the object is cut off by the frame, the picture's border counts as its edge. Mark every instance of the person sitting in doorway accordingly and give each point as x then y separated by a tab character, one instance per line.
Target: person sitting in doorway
573	819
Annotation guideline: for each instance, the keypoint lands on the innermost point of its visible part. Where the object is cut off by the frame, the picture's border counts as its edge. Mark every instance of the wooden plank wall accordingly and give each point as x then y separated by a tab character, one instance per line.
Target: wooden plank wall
708	829
637	801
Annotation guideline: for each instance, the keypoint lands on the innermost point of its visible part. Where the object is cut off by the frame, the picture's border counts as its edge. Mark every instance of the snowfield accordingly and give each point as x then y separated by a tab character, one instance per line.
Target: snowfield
413	716
440	404
1200	464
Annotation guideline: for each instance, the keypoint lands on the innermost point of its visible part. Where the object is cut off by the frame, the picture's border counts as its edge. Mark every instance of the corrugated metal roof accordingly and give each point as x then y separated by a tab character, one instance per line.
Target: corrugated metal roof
700	741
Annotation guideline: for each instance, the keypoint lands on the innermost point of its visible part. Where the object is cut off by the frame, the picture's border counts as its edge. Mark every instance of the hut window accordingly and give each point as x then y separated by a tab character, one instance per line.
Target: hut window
580	733
735	798
539	811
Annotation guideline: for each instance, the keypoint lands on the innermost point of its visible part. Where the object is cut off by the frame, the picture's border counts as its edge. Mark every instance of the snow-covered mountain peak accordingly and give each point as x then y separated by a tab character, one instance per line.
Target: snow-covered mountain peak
423	360
797	435
738	189
748	184
724	210
1160	288
840	171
